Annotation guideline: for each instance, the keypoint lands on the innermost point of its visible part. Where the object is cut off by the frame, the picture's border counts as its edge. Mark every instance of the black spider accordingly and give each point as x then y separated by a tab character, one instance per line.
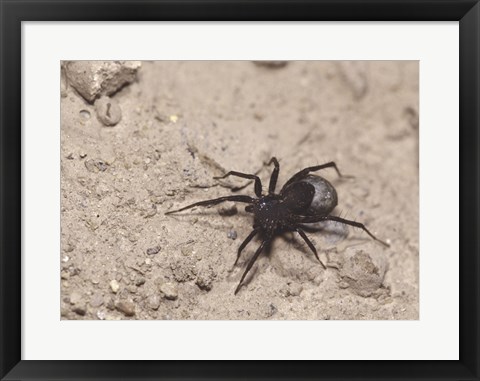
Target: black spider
304	199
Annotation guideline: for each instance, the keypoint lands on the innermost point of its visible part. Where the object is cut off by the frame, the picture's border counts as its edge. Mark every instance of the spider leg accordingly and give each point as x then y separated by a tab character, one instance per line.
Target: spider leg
258	183
274	176
304	172
310	245
215	201
240	187
311	219
250	264
252	234
357	225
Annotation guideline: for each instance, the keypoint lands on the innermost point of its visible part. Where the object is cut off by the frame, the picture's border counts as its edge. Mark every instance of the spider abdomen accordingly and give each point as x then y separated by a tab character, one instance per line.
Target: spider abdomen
325	198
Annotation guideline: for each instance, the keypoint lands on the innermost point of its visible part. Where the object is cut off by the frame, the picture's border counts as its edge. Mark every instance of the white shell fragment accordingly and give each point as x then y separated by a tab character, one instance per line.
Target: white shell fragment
108	111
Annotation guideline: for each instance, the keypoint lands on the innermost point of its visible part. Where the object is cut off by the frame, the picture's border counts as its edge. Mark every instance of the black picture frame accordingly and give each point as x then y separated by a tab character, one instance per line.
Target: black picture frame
13	12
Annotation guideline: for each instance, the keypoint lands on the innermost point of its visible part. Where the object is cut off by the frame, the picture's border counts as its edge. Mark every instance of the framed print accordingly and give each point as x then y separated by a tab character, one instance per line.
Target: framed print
194	190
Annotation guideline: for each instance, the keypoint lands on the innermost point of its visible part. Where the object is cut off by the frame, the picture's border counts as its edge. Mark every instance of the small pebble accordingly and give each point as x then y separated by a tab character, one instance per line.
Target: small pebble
91	167
80	310
131	289
74	270
169	290
187	251
96	165
125	307
232	234
115	286
102	166
96	300
110	304
272	310
108	111
153	302
204	282
101	315
140	280
69	248
65	275
75	297
227	209
295	289
153	250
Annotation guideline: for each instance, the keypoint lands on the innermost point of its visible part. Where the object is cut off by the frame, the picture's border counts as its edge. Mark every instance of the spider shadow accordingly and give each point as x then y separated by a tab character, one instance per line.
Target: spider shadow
293	240
222	220
334	233
288	236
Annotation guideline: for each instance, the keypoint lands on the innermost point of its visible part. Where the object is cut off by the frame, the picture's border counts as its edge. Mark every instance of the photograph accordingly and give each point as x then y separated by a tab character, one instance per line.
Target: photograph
239	190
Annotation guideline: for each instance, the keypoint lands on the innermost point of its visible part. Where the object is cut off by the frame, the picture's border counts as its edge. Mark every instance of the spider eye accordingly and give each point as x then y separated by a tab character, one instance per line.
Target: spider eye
249	208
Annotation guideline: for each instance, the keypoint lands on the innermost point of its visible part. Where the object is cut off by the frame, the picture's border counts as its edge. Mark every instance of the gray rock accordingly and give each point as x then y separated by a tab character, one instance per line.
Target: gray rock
101	315
80	310
227	209
232	234
187	251
69	247
95	78
75	297
153	302
115	286
271	310
96	300
295	289
65	275
96	165
131	289
110	304
363	272
169	290
184	270
125	307
205	279
153	250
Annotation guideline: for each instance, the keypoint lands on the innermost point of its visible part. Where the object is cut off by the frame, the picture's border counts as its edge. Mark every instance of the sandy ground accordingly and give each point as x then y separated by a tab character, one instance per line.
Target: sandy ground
185	122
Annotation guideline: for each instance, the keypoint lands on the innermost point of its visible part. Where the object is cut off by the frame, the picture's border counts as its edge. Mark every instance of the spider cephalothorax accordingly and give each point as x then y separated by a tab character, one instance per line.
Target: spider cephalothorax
304	199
